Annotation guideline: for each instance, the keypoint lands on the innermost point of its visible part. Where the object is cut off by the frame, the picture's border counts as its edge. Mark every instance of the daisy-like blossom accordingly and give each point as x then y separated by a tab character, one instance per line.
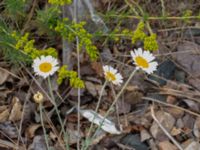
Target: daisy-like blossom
112	75
144	60
45	66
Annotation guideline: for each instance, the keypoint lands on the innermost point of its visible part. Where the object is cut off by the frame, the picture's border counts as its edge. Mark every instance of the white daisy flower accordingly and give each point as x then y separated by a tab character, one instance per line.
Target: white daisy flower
144	60
45	66
112	75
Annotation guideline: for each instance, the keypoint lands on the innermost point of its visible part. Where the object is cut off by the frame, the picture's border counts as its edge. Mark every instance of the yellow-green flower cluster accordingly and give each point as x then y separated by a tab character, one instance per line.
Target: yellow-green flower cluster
150	43
187	14
27	46
60	2
75	82
70	30
138	33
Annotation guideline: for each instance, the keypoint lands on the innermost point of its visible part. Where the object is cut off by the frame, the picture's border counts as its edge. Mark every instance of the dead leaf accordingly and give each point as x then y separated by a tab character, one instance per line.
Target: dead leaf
38	143
175	131
4	115
166	145
98	68
190	61
30	131
144	135
196	129
4	75
190	144
91	88
16	112
9	129
167	120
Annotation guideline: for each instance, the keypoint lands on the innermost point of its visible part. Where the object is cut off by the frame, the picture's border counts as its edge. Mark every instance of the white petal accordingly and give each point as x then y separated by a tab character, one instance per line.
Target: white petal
104	123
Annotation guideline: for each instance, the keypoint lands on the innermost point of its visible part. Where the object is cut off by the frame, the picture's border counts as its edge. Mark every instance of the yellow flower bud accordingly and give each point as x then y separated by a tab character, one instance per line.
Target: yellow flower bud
38	97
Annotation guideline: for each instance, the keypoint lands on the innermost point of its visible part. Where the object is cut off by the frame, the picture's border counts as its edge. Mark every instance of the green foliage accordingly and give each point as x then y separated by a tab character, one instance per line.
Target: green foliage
150	43
75	82
14	8
138	33
70	30
47	19
27	46
8	49
60	2
187	14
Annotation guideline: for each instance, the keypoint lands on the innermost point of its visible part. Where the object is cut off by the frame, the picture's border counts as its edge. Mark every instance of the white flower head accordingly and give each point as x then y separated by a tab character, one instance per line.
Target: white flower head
144	60
112	75
45	66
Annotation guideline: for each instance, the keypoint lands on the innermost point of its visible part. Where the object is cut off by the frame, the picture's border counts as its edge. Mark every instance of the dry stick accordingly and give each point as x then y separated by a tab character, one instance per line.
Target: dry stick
43	91
164	130
97	107
151	18
57	111
66	48
78	65
43	127
170	105
7	144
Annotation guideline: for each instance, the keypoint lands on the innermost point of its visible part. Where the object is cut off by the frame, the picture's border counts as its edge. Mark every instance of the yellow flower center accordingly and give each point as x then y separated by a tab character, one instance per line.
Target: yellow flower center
45	67
141	62
110	76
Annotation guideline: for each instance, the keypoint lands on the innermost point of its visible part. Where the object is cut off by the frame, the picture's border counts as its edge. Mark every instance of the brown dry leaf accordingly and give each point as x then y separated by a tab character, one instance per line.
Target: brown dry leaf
98	68
16	112
3	108
144	135
38	143
167	120
9	129
190	144
196	129
190	61
4	75
166	145
175	112
30	131
91	88
4	116
175	131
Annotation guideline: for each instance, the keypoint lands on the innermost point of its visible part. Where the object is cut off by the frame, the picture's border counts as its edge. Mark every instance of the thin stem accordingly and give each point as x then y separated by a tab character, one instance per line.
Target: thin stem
112	105
152	17
58	114
43	127
97	107
163	7
78	65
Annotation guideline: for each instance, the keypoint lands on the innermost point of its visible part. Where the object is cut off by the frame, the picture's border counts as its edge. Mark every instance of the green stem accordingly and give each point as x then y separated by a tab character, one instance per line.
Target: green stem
58	114
44	130
112	105
97	107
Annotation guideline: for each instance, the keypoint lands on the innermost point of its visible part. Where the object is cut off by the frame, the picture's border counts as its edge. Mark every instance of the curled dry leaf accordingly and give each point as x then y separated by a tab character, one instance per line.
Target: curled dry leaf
4	115
30	131
4	75
96	118
16	112
38	143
